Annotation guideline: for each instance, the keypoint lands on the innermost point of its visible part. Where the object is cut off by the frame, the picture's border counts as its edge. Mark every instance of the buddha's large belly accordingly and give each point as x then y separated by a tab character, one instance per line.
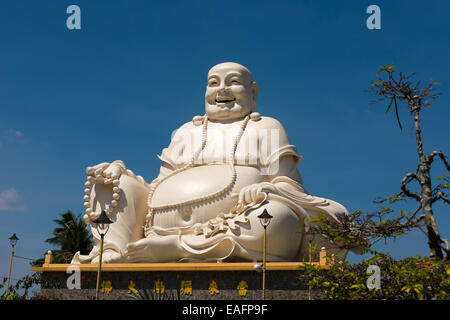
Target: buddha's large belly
195	183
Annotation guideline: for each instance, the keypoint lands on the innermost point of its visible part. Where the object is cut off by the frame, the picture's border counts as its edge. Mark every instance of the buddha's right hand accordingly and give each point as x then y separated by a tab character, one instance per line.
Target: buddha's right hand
106	173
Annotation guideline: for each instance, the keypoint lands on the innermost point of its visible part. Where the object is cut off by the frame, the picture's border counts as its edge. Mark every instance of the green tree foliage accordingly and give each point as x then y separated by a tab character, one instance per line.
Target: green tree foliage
393	86
69	236
25	284
361	230
409	278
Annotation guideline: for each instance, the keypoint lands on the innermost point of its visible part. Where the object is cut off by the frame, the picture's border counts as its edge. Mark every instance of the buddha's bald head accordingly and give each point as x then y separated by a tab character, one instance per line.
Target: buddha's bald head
232	66
231	92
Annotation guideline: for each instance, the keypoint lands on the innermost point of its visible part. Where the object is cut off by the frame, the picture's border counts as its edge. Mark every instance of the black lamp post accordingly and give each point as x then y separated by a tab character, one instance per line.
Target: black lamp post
102	226
13	240
310	237
264	218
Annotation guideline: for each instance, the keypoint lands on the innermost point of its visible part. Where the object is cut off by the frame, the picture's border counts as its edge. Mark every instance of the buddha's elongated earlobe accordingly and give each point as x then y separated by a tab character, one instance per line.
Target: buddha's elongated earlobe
254	94
254	90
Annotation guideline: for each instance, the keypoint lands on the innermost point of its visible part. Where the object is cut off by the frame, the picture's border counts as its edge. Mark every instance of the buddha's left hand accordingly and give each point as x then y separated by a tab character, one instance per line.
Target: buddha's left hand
106	173
250	194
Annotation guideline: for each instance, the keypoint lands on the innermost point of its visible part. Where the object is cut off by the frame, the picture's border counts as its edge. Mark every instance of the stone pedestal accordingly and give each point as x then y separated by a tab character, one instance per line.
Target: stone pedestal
185	281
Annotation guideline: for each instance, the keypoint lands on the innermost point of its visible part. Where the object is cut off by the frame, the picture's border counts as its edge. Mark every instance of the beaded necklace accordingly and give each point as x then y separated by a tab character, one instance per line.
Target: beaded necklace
191	164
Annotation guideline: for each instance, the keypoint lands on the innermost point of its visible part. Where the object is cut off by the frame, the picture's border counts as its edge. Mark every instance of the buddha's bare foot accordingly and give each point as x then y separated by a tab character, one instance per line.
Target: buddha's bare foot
109	257
154	249
139	251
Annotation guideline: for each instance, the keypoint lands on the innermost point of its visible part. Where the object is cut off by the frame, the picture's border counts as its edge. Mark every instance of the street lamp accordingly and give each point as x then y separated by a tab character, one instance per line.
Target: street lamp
310	237
264	218
102	226
13	240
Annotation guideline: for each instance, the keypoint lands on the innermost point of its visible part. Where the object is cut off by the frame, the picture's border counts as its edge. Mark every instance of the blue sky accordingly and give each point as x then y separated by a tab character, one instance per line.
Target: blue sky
117	88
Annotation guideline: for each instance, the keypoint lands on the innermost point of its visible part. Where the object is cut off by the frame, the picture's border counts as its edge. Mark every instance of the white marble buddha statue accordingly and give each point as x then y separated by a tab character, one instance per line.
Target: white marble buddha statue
220	171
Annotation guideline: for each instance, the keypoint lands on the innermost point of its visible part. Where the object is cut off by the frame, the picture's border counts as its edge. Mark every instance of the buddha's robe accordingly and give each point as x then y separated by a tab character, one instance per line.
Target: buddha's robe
219	229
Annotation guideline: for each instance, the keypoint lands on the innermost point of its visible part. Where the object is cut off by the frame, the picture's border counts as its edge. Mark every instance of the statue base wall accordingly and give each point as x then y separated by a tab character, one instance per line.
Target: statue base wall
185	281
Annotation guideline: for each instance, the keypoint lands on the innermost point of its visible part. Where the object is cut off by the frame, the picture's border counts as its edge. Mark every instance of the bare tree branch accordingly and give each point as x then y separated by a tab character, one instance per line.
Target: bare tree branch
447	246
441	196
402	87
442	156
414	214
407	179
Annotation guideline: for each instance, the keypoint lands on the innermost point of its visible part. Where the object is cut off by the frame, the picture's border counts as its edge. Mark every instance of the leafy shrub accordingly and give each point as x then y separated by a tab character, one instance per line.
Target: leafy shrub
410	278
26	283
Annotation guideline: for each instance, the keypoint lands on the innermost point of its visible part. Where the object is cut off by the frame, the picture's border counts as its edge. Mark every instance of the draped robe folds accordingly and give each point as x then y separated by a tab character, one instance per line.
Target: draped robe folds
217	230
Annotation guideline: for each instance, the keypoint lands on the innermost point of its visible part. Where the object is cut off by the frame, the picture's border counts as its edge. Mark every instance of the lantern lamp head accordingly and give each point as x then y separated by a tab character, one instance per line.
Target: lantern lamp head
310	234
13	239
102	223
265	218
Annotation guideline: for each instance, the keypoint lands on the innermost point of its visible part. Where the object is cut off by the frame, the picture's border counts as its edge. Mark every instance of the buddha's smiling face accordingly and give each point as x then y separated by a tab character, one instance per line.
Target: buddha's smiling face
231	92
